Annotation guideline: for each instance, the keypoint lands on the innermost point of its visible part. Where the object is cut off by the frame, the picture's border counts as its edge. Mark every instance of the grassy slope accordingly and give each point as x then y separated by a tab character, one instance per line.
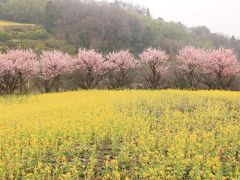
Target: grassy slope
13	25
26	36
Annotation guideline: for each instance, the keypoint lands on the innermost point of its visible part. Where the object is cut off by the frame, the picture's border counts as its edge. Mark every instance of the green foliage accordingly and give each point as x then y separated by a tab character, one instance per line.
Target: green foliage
38	34
3	48
103	26
52	43
36	38
4	36
30	11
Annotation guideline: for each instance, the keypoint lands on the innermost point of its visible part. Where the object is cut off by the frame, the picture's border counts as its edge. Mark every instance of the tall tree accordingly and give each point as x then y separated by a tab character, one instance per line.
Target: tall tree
154	67
50	15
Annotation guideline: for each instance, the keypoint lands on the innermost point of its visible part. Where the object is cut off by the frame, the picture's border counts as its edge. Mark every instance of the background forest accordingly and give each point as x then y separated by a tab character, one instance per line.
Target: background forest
104	26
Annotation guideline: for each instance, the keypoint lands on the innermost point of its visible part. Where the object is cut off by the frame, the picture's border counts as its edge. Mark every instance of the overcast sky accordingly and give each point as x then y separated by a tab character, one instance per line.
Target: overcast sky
218	15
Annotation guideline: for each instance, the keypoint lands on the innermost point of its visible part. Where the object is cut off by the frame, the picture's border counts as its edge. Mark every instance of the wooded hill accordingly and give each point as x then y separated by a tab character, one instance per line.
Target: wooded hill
104	26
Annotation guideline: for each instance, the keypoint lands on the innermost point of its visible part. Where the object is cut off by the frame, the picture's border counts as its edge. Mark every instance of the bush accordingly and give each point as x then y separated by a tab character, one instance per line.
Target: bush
4	37
3	49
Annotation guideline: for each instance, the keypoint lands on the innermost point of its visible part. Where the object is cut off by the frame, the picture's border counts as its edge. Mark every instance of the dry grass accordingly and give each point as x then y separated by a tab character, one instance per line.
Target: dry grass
8	25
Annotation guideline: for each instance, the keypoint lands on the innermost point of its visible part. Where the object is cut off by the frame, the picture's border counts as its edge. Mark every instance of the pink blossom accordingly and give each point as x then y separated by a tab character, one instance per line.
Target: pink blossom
222	62
156	59
190	58
15	67
53	64
90	68
121	61
19	63
90	61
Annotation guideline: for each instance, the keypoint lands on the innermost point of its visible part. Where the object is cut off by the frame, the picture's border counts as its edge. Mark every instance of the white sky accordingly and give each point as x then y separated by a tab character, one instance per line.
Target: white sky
218	15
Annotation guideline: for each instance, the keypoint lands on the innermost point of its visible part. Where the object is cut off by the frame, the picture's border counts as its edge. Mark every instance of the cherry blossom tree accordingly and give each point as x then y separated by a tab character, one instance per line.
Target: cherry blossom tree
4	69
220	68
120	64
213	69
154	63
16	67
189	62
53	64
89	68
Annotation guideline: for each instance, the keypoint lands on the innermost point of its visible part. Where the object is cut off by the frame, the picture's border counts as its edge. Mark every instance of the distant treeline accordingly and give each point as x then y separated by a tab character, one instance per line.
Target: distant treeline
110	26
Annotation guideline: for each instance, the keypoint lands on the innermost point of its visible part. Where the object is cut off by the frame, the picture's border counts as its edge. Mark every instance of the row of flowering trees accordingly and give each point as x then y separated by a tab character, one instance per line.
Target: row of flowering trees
216	69
20	69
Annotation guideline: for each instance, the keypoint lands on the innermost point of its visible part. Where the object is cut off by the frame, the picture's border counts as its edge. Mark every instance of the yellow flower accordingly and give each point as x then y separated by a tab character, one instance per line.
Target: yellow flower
120	134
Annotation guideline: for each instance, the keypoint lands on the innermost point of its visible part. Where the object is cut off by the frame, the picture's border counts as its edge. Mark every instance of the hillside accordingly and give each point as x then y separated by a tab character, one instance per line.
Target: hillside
110	26
13	35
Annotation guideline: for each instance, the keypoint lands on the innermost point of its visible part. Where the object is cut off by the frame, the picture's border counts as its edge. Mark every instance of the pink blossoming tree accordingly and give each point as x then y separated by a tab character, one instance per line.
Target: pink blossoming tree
220	68
16	67
154	62
89	68
53	65
120	64
189	62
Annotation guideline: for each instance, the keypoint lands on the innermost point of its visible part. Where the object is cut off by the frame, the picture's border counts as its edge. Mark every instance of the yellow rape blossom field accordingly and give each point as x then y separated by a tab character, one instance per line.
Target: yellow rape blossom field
130	134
